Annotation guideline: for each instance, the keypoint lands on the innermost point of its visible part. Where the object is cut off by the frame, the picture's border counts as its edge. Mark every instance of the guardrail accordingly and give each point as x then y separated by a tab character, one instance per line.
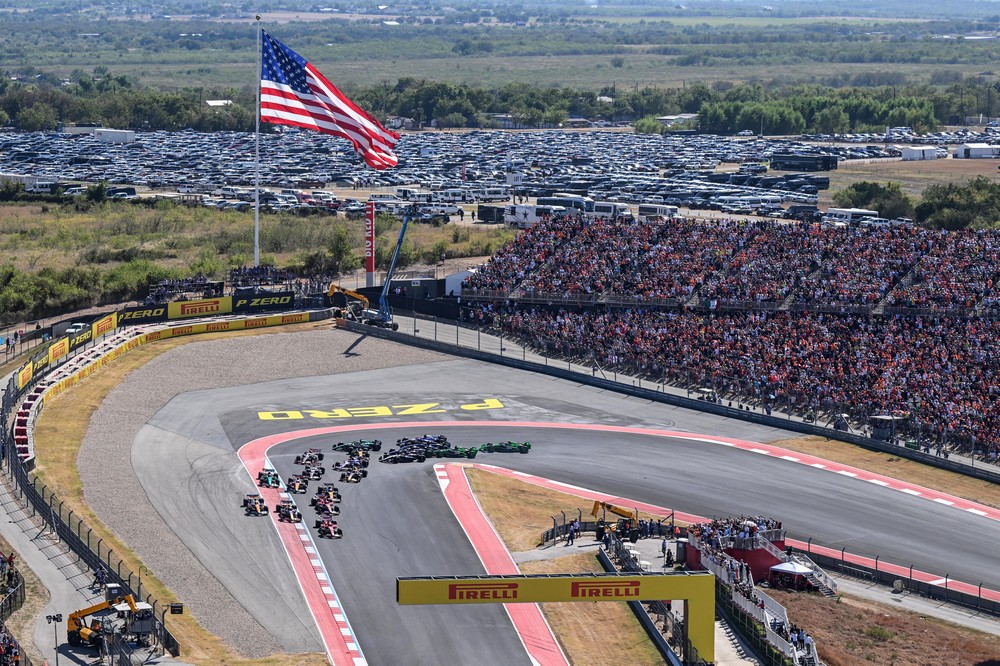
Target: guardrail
937	592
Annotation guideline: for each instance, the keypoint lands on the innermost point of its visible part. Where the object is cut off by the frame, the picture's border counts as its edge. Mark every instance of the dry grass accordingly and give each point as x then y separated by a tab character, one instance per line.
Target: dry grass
854	631
521	512
913	177
898	468
58	435
583	628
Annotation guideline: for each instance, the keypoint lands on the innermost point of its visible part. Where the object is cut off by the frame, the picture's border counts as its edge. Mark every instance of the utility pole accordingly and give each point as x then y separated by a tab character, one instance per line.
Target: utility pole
54	620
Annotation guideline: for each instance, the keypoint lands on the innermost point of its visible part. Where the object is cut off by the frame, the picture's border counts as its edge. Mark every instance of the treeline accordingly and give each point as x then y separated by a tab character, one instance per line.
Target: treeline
975	205
114	101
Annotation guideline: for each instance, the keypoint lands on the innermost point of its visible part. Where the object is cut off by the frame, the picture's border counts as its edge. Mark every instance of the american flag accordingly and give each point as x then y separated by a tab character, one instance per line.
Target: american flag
293	92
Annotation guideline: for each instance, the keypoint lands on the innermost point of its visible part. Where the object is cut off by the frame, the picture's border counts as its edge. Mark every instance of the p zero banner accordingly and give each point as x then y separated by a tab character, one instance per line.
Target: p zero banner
206	307
697	588
81	338
370	237
40	361
148	314
58	349
267	302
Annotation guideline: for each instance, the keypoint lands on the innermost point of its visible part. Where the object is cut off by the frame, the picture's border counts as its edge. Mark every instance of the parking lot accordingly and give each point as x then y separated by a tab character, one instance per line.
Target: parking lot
300	169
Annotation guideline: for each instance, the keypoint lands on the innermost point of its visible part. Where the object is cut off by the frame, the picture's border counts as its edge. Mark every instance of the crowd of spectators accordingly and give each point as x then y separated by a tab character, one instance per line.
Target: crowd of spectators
939	368
530	250
715	536
942	371
10	651
172	288
752	262
258	276
859	267
959	271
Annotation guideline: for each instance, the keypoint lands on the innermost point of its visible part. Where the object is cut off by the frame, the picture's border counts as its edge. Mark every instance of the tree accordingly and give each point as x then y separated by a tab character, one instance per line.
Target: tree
37	117
832	120
648	125
976	204
889	200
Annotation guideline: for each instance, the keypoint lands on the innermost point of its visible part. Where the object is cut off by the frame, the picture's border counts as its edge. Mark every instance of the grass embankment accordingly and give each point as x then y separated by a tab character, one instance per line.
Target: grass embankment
855	631
942	480
59	237
58	436
521	512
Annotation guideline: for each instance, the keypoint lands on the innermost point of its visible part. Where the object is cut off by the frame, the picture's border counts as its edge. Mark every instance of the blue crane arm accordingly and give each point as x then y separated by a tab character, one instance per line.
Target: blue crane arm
383	300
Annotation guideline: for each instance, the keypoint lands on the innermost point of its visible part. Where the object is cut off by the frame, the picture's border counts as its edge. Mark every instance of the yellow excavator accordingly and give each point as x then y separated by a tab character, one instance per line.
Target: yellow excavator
629	519
354	305
78	632
617	510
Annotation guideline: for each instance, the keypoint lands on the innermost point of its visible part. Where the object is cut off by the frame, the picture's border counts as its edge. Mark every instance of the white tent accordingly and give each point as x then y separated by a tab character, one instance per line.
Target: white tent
793	568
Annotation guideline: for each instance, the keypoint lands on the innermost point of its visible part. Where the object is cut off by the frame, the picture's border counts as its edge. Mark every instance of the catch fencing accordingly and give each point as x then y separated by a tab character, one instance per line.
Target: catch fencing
45	506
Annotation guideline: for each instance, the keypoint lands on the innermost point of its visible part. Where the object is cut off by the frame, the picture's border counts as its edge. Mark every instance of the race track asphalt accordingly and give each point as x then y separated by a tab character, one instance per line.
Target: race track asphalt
396	522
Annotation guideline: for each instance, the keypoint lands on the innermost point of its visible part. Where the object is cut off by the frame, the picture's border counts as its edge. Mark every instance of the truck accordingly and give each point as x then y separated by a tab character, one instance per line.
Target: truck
523	216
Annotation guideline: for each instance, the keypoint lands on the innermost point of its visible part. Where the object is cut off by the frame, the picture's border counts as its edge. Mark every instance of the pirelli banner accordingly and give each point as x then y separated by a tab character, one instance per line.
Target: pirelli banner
206	307
58	349
24	376
697	588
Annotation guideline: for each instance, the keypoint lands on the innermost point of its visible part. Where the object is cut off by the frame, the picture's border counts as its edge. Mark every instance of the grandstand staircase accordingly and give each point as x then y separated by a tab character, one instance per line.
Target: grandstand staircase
906	281
816	576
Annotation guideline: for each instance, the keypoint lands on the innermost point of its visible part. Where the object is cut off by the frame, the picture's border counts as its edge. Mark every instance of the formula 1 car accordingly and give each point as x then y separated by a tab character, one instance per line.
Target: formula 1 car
359	445
297	485
457	452
394	456
350	463
422	440
288	512
268	478
328	529
309	457
326	491
314	472
325	508
353	475
506	447
253	505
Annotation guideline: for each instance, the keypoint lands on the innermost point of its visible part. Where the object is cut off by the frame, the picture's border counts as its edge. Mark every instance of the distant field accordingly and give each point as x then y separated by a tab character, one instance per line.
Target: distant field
582	71
913	177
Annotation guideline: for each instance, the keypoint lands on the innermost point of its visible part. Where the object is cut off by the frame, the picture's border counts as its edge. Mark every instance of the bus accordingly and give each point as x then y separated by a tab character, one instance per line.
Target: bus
570	202
611	209
847	216
656	212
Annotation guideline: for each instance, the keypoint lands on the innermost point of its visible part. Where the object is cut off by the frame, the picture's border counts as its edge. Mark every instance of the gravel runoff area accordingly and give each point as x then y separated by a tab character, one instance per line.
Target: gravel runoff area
112	490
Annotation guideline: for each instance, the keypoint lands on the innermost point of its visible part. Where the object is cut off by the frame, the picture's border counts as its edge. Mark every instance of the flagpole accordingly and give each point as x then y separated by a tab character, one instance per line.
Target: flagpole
256	148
